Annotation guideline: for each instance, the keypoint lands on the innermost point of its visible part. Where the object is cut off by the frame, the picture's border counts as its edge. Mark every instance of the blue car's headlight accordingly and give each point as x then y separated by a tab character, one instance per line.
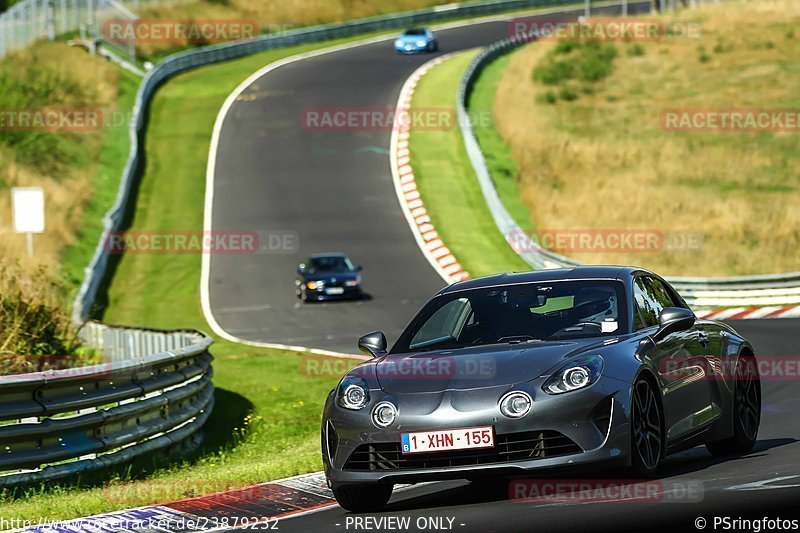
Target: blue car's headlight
398	42
353	393
421	43
574	375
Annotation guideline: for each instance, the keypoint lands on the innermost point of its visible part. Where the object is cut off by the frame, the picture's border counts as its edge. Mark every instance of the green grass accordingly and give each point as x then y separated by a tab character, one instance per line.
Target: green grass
502	166
265	424
447	182
105	185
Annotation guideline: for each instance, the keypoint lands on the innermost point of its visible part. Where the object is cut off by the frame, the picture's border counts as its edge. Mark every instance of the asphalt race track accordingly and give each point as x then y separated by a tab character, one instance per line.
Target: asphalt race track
334	191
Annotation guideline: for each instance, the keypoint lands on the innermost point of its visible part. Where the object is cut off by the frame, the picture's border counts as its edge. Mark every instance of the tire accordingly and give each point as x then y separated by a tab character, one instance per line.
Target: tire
746	410
363	498
647	429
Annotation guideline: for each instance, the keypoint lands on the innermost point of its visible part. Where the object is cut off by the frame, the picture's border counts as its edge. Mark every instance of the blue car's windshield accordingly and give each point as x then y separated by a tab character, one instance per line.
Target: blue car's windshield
415	31
517	314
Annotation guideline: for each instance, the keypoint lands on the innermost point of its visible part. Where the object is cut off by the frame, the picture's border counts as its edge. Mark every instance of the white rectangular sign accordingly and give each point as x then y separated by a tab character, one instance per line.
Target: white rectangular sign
27	203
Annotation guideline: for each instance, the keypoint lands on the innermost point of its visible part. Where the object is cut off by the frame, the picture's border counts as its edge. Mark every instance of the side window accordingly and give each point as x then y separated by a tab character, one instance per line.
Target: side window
447	321
661	292
647	304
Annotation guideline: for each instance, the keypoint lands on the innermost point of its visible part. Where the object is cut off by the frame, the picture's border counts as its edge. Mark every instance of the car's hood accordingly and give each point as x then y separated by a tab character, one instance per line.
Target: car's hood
325	276
411	39
482	366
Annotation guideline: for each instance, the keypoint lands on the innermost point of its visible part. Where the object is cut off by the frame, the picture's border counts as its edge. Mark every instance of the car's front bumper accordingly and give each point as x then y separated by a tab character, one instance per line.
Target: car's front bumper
573	415
410	49
350	293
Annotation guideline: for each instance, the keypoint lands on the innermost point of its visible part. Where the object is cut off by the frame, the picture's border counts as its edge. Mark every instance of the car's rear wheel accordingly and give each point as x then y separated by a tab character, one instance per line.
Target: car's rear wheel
647	435
363	498
746	410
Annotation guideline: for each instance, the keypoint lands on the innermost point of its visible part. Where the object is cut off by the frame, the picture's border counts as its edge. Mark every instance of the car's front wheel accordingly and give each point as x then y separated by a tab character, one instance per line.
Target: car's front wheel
647	442
363	498
746	410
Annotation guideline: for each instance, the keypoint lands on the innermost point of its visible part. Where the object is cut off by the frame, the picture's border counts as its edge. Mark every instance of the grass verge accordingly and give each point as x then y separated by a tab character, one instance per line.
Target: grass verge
587	136
266	421
499	160
447	182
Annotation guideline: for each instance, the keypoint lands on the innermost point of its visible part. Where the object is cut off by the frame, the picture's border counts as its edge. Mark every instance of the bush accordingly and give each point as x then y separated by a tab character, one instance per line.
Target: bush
28	84
554	72
36	331
636	50
565	47
589	61
567	93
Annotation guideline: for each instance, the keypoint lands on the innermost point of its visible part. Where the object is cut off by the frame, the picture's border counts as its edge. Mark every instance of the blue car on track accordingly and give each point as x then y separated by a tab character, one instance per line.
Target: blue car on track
416	41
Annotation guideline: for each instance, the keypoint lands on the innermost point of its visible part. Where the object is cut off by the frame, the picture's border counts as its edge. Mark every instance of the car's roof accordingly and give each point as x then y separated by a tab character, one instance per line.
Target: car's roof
558	274
329	254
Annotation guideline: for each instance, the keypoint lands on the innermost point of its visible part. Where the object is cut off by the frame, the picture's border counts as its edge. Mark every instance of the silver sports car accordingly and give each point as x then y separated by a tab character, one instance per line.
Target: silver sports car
519	372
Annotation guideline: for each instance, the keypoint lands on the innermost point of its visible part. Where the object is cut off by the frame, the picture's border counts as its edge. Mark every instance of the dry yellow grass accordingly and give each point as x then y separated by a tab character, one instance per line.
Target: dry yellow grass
604	162
78	81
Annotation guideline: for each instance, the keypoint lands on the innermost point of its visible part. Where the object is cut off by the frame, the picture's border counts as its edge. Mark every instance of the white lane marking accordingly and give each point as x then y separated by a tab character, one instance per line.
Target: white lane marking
764	484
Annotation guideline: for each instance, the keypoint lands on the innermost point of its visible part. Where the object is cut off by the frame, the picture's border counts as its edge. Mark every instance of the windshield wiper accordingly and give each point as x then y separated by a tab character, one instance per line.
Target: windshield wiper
517	339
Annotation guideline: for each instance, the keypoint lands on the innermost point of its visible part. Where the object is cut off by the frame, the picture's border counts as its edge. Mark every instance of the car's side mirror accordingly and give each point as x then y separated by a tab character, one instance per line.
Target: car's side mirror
673	319
301	268
359	268
373	344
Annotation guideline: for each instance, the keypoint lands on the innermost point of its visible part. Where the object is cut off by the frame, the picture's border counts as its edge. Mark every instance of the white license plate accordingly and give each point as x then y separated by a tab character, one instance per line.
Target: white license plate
449	439
334	290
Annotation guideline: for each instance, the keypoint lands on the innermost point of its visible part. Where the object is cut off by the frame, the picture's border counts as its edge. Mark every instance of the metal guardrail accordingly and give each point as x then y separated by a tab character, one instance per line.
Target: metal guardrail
29	20
182	61
771	289
62	422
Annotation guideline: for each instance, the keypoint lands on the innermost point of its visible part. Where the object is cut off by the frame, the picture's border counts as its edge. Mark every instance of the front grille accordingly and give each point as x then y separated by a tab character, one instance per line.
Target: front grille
508	448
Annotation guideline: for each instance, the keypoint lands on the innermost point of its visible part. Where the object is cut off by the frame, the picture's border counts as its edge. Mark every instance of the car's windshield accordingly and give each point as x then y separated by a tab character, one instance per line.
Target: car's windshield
336	263
415	31
518	314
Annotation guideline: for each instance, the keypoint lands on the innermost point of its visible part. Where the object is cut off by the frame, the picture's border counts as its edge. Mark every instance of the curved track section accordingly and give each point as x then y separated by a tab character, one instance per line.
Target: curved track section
332	189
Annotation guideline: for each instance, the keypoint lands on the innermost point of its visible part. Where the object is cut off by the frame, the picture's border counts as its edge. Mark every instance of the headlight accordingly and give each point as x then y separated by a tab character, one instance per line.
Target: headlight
315	284
398	42
575	375
515	404
384	414
421	43
353	393
353	282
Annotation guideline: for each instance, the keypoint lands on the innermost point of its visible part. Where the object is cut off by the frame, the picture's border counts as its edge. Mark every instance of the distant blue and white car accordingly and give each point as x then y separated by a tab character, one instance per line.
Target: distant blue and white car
416	41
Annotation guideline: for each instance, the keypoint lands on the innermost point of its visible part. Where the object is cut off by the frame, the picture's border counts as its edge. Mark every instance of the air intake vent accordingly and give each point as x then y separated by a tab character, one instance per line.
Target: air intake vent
508	448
